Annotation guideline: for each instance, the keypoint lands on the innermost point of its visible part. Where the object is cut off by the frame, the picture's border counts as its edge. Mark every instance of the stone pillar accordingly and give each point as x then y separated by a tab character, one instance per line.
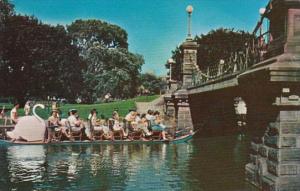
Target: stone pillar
183	112
169	105
275	158
189	65
284	17
173	86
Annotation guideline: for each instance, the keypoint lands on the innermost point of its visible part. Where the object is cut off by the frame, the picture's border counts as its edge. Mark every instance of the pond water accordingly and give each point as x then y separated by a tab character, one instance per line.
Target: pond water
215	163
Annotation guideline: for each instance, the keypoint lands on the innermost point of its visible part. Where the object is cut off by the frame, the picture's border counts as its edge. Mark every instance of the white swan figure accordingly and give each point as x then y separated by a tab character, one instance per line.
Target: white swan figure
34	113
30	128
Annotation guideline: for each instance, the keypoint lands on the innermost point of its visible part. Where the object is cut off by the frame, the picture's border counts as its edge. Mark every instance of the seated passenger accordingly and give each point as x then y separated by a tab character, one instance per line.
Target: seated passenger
76	125
149	115
27	108
143	125
54	125
115	115
150	119
133	126
136	133
137	117
158	126
100	125
14	113
117	126
91	113
130	118
158	119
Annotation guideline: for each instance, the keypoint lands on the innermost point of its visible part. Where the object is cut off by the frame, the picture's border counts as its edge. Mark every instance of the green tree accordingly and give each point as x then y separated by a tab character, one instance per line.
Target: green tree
216	45
176	67
220	44
39	60
87	33
6	10
113	71
152	83
110	67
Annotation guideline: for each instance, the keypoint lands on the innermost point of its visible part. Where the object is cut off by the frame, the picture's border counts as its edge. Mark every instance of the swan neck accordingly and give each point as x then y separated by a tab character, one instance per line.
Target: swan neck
34	113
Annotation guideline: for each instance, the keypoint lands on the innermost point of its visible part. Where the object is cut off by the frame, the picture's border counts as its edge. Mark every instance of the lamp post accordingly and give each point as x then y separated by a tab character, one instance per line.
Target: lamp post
221	66
262	11
171	62
189	10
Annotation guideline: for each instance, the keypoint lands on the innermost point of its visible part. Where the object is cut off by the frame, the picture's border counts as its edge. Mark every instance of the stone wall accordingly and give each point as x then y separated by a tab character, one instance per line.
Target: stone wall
275	158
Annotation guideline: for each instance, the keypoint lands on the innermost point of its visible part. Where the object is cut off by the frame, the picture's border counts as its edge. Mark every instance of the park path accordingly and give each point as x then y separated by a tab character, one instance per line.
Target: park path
156	105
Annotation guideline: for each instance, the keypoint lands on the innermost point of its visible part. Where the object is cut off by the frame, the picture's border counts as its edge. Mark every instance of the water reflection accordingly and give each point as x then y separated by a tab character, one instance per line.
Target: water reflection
203	164
95	167
26	164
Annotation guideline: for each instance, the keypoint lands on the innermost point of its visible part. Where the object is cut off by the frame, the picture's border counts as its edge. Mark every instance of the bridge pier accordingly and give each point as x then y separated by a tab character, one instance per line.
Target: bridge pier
182	110
275	158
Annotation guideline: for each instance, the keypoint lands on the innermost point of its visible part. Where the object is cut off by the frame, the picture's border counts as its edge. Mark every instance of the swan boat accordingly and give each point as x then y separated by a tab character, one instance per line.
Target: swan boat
29	124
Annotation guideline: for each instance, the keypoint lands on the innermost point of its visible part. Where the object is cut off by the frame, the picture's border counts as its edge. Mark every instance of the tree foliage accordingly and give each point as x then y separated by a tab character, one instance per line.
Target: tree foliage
176	67
6	10
110	67
216	45
39	60
113	71
87	59
152	83
87	33
219	44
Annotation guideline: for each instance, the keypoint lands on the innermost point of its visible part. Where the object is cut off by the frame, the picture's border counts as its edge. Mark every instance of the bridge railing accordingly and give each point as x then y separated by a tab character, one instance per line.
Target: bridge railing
256	50
263	45
237	62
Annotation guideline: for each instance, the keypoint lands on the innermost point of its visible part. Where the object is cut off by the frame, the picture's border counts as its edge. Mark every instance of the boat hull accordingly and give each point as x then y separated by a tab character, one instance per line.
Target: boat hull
177	140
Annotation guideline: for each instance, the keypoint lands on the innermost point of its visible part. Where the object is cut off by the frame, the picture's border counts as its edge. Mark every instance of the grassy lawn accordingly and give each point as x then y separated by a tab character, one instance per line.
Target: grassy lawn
105	109
7	105
146	98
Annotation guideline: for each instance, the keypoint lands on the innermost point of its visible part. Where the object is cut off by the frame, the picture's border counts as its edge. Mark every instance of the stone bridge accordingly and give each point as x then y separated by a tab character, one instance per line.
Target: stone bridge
266	75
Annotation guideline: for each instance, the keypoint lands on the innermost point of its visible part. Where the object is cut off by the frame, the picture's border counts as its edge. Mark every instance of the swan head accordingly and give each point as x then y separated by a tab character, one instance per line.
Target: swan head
39	105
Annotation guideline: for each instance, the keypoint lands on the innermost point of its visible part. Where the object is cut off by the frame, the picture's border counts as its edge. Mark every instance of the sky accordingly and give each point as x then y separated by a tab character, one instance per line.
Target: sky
154	27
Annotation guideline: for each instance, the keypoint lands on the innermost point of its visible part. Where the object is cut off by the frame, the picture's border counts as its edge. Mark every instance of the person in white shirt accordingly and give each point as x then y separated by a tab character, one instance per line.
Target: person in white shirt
27	108
241	112
117	126
14	113
91	113
130	121
143	125
100	125
130	116
150	119
75	122
138	118
149	115
2	114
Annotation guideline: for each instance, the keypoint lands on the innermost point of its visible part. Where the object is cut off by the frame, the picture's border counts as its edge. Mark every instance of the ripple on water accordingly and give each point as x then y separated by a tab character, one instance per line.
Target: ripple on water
194	166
